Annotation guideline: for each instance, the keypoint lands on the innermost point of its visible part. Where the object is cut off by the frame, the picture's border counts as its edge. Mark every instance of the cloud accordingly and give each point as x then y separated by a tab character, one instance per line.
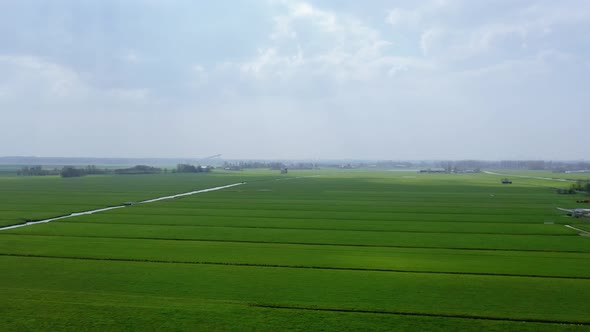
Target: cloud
133	95
36	77
131	57
200	76
498	30
318	54
269	63
424	12
296	78
308	42
349	76
32	80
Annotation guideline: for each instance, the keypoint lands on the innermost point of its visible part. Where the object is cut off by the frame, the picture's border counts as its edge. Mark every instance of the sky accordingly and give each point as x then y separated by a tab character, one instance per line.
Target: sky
290	79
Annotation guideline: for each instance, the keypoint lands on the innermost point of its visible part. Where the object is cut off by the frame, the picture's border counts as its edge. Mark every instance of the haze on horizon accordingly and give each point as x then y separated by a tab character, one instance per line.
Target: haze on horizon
439	79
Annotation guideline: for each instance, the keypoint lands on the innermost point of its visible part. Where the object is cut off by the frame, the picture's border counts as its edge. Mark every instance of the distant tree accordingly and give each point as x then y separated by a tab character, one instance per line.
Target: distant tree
581	185
186	168
69	172
139	169
36	170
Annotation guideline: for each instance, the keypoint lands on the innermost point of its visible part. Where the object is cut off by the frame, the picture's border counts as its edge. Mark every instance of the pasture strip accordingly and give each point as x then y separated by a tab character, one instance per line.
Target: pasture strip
391	215
423	314
158	261
450	210
157	316
319	229
305	243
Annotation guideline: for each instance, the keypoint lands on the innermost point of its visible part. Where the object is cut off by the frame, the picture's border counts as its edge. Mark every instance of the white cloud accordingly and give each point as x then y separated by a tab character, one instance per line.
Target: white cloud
31	79
308	42
39	78
200	76
131	57
417	16
449	34
270	63
133	95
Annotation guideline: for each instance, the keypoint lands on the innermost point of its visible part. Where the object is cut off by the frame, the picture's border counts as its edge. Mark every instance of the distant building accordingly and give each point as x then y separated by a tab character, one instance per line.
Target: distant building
433	170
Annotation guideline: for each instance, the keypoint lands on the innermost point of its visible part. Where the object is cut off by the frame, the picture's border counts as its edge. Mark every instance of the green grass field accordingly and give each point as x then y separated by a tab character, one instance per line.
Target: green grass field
311	250
547	174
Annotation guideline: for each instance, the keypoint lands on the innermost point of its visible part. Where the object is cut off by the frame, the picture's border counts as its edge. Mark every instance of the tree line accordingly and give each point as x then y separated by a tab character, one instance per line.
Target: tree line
139	169
579	186
66	171
187	168
71	171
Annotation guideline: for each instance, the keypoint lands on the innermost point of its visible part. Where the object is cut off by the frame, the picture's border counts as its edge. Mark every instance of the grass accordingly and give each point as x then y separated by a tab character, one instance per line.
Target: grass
472	296
496	262
181	314
348	250
36	198
572	243
548	174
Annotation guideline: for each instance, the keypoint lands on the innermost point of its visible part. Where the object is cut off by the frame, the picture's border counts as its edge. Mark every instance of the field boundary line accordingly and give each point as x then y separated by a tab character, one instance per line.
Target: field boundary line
426	314
191	193
294	244
535	222
362	245
314	229
303	267
528	177
77	214
297	177
583	232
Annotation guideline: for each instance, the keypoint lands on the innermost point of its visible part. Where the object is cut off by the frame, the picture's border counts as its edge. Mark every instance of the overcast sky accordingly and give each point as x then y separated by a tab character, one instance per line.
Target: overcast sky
441	79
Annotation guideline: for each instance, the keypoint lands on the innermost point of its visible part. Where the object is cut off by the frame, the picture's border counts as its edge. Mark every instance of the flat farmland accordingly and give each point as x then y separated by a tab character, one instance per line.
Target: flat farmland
41	197
309	250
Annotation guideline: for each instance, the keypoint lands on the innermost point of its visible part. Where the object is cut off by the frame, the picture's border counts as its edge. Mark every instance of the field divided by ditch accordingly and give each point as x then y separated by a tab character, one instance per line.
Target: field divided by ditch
345	250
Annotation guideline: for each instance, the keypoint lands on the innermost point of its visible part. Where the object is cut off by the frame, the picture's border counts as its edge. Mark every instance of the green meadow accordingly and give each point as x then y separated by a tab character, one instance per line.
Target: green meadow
547	174
336	250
